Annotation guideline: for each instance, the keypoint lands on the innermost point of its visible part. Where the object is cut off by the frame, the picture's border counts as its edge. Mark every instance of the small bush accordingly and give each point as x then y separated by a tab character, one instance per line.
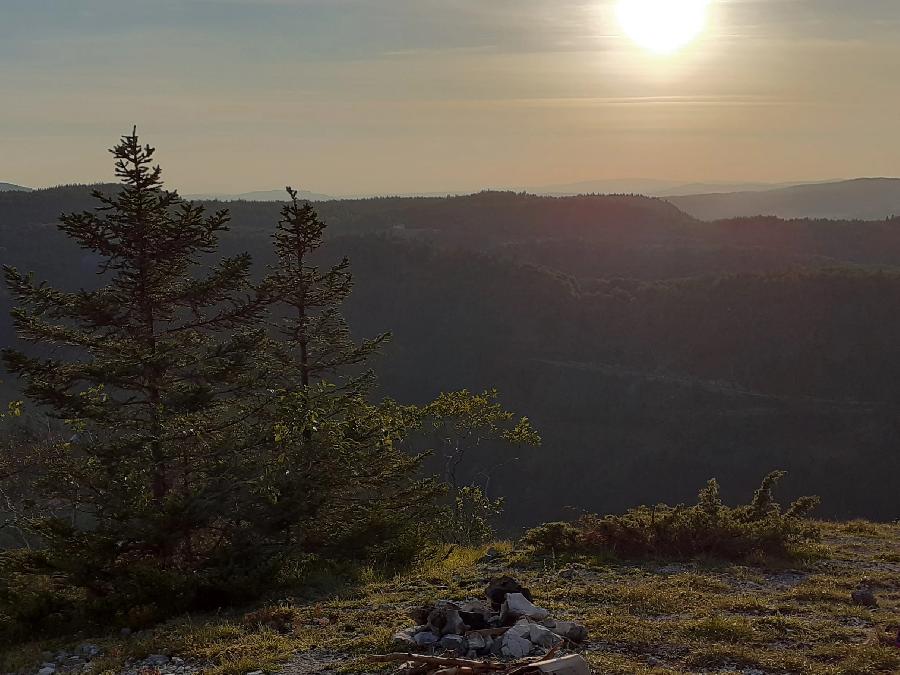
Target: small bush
279	618
559	536
709	528
469	520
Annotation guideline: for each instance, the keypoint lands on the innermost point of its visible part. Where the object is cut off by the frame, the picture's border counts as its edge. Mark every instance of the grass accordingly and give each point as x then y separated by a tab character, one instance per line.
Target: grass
644	617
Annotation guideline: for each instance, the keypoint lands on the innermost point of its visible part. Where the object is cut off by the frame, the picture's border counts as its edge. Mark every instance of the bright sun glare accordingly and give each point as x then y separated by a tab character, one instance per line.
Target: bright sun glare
662	26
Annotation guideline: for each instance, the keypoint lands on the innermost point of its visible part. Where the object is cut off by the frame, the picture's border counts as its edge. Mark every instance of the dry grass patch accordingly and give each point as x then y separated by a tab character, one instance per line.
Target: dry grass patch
700	617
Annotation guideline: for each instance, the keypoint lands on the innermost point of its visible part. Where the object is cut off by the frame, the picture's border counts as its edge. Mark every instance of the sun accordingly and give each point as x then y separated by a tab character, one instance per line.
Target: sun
662	26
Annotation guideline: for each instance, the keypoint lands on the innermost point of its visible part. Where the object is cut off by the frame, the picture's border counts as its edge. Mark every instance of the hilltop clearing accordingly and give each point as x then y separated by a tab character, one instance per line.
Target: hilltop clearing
643	617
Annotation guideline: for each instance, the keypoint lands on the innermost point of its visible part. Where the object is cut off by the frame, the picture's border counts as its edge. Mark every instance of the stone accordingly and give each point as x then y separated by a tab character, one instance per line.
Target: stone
47	670
480	645
475	620
405	639
515	645
490	555
453	643
475	607
864	597
426	639
156	660
516	605
89	650
475	615
543	637
420	614
498	589
670	569
177	661
445	619
522	628
570	630
573	664
653	662
256	672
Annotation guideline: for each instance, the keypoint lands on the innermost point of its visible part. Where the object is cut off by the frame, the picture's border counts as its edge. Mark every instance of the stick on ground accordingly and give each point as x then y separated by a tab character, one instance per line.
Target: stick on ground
439	661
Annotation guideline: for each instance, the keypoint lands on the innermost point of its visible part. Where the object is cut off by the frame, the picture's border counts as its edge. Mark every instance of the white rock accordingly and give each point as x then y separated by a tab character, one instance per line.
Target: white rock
515	645
543	637
517	605
574	664
522	628
47	670
570	630
444	619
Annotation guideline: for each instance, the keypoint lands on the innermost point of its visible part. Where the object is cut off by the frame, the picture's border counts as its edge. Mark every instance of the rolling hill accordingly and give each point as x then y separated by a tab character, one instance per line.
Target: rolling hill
652	350
10	187
648	186
260	196
859	199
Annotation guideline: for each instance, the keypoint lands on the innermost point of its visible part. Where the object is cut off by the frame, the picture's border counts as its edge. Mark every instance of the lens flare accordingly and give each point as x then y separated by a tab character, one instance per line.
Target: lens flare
662	26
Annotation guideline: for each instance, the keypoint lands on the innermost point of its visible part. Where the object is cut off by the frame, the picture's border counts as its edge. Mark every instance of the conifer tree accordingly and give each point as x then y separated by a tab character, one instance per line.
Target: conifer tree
156	373
339	477
209	445
314	333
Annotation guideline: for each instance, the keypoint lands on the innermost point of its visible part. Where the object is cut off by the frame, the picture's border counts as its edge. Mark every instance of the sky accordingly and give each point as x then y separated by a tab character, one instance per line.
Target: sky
401	96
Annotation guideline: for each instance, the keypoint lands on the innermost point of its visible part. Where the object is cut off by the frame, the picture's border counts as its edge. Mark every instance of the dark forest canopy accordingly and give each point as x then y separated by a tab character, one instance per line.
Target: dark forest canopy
651	349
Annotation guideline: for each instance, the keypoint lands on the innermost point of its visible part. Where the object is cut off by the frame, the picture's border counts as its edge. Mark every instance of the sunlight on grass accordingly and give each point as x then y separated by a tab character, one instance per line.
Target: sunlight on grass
700	618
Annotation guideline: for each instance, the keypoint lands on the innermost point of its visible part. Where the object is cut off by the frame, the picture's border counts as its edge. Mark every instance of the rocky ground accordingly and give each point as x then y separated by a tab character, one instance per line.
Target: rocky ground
649	617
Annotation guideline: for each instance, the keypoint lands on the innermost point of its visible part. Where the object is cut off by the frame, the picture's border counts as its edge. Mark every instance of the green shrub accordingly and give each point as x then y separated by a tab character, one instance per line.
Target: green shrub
709	528
558	536
469	519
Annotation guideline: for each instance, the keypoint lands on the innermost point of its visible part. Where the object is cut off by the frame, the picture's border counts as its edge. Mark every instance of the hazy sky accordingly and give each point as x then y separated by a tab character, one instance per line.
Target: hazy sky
352	96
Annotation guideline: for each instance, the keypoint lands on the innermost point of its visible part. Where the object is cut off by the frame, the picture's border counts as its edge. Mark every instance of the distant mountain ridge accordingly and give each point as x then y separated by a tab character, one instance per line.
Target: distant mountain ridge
854	199
261	196
11	187
857	199
650	187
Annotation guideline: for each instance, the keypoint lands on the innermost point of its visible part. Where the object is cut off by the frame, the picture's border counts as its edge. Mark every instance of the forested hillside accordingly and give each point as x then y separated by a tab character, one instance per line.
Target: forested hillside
650	349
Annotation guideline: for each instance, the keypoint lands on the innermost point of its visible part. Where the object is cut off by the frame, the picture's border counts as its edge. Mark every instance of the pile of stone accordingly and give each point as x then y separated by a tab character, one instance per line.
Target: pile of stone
69	662
80	661
160	664
506	624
